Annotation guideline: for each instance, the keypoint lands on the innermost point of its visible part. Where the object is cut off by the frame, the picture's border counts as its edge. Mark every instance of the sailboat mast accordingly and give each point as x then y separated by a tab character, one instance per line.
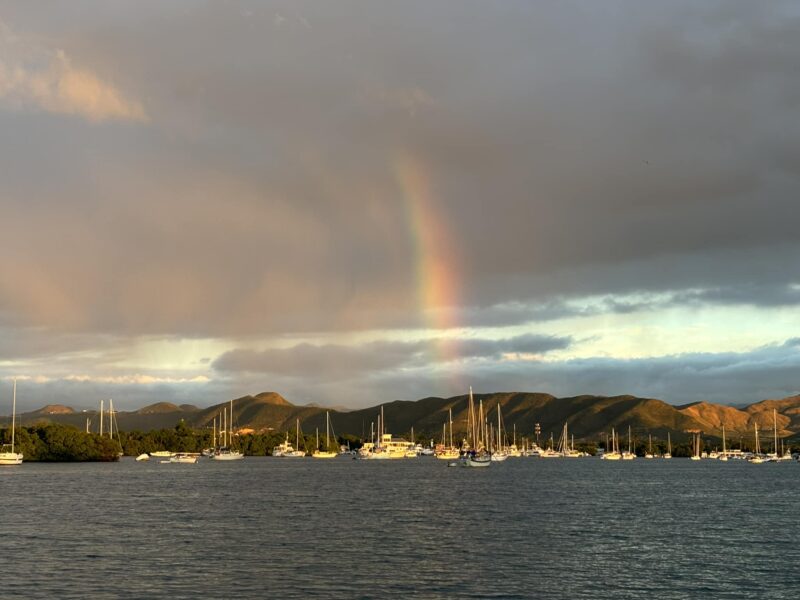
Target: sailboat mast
451	427
13	415
110	418
499	438
724	451
327	430
775	426
101	418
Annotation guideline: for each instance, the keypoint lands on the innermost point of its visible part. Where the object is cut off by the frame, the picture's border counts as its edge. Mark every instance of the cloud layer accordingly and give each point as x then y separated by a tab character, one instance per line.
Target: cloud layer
290	179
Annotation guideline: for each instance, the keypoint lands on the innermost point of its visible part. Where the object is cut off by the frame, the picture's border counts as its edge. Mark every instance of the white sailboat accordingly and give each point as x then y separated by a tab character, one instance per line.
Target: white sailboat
226	452
477	455
613	454
11	457
756	458
649	446
629	454
325	453
447	451
564	448
696	446
669	447
499	453
724	455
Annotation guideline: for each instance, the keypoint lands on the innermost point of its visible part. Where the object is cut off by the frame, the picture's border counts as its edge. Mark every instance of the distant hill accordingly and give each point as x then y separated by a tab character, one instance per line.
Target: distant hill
587	416
56	409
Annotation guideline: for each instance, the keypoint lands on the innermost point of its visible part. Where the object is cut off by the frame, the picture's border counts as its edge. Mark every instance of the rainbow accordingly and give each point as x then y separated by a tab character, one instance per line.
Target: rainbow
437	258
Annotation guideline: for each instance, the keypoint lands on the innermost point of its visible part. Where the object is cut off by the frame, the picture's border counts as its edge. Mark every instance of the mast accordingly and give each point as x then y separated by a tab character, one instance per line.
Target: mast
499	442
110	419
230	425
755	427
723	440
214	433
101	418
483	435
471	422
298	435
775	426
451	427
327	431
669	444
13	414
317	439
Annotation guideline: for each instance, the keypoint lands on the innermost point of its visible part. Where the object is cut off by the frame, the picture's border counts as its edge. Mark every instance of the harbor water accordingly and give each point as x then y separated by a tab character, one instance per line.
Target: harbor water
342	528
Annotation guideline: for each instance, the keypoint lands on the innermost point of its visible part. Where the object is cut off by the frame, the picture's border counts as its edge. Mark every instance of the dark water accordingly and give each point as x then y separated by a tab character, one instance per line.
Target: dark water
283	528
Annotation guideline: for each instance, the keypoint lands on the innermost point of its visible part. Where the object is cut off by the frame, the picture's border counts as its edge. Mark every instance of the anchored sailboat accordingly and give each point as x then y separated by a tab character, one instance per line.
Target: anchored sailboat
325	453
11	457
477	454
226	452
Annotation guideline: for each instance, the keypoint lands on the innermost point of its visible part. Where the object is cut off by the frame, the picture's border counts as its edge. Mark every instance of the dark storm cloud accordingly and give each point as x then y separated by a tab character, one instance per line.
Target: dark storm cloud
573	149
335	362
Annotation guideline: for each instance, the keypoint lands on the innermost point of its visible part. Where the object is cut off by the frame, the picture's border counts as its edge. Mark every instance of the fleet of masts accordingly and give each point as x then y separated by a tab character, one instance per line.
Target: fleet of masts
482	445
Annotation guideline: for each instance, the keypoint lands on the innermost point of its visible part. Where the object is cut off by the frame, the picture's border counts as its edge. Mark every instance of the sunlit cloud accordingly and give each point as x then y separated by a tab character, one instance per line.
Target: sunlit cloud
35	76
136	379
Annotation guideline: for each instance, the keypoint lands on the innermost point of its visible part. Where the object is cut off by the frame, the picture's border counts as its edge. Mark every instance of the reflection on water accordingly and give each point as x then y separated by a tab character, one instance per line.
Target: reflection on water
275	528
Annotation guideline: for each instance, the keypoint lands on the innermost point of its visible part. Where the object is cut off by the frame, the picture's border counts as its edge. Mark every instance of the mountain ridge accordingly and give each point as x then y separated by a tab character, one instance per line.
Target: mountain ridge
587	415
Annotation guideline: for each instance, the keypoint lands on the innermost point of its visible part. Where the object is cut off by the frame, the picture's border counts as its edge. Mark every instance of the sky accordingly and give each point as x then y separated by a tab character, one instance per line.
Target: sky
355	202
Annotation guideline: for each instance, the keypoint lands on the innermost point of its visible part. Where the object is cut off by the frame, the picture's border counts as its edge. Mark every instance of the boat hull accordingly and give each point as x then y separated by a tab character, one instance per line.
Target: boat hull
9	459
228	456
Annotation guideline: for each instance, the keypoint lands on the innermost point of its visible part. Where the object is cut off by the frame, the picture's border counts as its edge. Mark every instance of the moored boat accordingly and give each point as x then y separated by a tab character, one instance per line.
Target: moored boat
11	457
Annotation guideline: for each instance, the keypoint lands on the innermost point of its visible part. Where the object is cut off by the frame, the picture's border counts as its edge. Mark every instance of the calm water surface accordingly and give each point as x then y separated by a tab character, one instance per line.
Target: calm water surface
300	528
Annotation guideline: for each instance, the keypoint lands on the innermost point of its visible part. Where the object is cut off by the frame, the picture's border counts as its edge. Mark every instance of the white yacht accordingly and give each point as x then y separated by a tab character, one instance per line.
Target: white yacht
286	450
386	447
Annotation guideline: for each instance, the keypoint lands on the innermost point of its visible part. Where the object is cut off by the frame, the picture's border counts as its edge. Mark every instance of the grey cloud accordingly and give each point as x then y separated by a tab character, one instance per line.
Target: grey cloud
571	150
335	362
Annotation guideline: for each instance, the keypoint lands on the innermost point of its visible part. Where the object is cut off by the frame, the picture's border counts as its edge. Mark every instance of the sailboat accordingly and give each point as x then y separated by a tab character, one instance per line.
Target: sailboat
11	457
613	454
226	452
724	455
649	446
629	454
513	450
499	453
756	458
696	446
325	453
564	448
669	447
477	454
447	451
